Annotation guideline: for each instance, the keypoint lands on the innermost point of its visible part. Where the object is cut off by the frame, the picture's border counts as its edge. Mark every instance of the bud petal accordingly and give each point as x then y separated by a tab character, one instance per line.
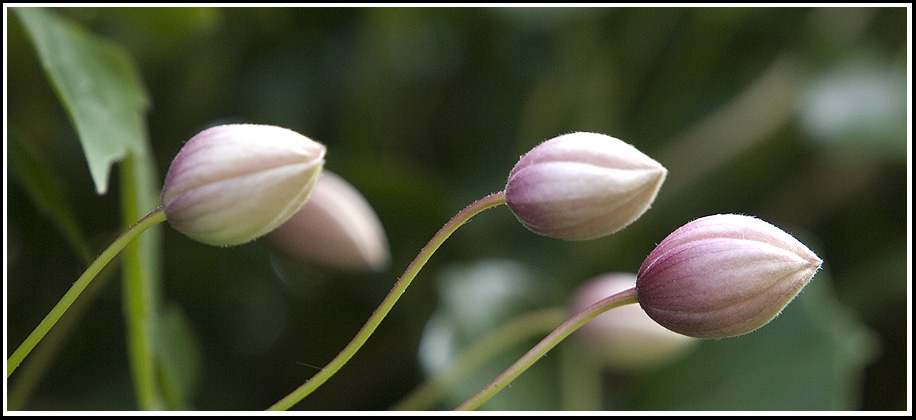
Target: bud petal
337	228
582	186
233	183
723	275
625	337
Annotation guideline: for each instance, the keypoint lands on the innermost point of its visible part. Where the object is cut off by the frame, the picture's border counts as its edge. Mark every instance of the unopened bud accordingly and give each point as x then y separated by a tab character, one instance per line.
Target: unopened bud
582	186
624	338
336	228
233	183
723	275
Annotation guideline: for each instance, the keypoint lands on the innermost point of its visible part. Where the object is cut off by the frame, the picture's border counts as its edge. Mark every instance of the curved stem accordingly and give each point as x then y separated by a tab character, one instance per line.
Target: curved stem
554	338
511	333
397	290
155	217
42	357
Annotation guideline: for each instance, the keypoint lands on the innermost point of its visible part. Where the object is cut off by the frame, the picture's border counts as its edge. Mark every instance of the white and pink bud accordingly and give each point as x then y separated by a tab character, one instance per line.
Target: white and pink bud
582	186
231	184
723	275
624	338
336	228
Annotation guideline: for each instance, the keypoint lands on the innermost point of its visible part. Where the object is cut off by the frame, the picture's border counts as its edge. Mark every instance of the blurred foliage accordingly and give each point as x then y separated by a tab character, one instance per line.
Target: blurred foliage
794	115
814	351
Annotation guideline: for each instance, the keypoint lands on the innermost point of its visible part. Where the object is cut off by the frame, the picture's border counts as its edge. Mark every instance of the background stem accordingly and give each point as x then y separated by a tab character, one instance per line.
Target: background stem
554	338
511	333
140	279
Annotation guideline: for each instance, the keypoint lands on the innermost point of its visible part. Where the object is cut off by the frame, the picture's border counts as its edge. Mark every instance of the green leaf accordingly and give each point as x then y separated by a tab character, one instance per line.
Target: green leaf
97	84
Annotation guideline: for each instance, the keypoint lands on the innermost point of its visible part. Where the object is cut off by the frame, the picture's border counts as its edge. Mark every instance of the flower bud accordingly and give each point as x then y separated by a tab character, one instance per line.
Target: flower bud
233	183
723	275
582	186
624	338
336	228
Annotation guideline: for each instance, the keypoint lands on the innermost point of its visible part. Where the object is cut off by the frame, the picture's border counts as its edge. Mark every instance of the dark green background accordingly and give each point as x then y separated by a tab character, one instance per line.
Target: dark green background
425	110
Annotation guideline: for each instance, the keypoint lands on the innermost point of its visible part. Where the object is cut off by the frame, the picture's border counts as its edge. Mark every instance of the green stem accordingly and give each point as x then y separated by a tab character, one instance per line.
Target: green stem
554	338
140	280
397	290
513	332
155	217
581	380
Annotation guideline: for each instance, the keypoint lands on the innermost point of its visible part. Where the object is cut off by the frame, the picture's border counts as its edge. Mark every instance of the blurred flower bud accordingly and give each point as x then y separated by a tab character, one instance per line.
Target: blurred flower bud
723	275
624	338
336	228
582	186
233	183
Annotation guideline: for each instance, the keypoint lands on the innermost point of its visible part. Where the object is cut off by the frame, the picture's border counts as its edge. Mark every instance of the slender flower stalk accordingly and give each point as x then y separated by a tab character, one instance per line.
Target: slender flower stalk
150	220
623	298
397	290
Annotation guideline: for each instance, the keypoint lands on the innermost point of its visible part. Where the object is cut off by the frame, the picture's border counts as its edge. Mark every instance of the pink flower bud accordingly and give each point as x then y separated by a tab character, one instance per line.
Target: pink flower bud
233	183
336	228
723	275
582	186
623	338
